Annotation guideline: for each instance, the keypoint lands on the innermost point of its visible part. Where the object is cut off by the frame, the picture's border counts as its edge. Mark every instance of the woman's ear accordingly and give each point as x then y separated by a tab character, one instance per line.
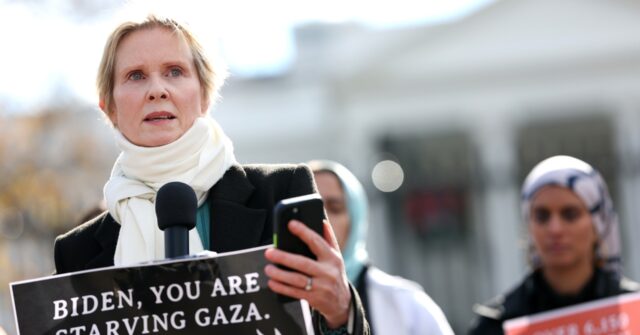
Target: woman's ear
111	115
204	102
205	107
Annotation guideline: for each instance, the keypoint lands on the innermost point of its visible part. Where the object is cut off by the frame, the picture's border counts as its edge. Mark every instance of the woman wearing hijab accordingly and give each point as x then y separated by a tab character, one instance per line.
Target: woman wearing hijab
574	245
155	86
393	304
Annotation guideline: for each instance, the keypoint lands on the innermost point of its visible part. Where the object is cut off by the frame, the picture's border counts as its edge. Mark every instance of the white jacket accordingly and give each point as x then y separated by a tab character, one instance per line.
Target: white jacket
401	307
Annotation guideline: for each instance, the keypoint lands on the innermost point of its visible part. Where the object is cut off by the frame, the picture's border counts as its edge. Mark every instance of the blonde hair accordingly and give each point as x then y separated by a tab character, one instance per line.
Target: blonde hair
211	79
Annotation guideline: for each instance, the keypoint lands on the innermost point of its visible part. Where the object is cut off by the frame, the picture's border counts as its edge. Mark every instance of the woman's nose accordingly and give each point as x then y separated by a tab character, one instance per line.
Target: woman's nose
157	90
555	224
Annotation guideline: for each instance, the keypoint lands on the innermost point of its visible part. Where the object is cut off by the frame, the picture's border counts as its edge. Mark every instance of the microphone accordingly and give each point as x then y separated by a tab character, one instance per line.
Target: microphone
176	206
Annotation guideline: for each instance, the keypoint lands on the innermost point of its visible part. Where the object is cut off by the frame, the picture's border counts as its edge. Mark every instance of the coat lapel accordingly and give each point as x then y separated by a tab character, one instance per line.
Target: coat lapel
234	226
107	236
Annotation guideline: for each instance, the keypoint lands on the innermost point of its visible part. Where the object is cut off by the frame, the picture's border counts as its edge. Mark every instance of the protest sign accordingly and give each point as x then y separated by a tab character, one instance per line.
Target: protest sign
219	294
610	316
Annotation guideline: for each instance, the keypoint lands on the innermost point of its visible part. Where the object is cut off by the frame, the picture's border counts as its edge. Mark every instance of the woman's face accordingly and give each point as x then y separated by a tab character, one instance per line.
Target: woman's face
335	204
562	229
157	94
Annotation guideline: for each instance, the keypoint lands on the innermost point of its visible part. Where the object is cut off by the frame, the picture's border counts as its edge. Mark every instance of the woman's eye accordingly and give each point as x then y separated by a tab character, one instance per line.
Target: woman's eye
336	209
175	72
541	216
570	214
137	75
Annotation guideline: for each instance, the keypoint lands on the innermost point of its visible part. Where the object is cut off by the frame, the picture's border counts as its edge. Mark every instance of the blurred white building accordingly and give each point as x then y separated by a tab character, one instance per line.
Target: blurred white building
467	108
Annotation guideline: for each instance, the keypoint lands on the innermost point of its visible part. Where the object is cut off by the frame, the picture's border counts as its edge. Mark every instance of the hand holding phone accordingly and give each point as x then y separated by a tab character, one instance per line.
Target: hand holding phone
307	209
286	282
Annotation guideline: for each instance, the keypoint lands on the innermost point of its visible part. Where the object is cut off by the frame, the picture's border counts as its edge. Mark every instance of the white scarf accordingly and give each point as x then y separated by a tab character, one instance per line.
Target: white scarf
198	158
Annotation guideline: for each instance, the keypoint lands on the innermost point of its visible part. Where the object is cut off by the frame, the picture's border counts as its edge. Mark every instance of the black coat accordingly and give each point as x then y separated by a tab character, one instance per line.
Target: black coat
534	295
240	204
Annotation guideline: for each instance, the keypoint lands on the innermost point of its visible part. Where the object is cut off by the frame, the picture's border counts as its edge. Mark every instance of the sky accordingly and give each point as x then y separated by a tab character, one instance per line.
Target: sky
51	48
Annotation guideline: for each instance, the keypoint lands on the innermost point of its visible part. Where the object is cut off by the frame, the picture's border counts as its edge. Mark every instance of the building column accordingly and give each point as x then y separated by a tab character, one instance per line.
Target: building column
500	229
627	132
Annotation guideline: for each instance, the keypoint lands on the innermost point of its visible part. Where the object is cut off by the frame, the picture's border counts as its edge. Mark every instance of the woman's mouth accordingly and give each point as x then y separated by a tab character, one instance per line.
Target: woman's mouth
159	116
556	248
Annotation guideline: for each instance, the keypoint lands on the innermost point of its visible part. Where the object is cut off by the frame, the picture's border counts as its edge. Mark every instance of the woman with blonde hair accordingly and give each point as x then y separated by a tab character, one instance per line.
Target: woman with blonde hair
155	86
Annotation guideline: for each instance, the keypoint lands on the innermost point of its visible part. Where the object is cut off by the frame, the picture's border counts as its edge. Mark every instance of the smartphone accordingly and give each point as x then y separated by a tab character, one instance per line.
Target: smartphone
308	209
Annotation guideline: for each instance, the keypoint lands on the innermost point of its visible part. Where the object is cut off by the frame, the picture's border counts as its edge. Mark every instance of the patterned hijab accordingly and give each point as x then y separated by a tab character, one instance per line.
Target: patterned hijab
354	253
588	185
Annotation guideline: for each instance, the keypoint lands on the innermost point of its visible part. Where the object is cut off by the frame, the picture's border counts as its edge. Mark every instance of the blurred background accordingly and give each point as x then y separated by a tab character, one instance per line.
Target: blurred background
440	108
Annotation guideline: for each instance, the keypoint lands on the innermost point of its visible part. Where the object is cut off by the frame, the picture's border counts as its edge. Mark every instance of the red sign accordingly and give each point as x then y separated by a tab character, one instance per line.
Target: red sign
619	315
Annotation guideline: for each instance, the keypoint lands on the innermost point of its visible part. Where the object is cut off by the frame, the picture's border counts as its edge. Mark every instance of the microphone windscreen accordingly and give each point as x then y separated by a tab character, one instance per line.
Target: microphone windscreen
176	205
